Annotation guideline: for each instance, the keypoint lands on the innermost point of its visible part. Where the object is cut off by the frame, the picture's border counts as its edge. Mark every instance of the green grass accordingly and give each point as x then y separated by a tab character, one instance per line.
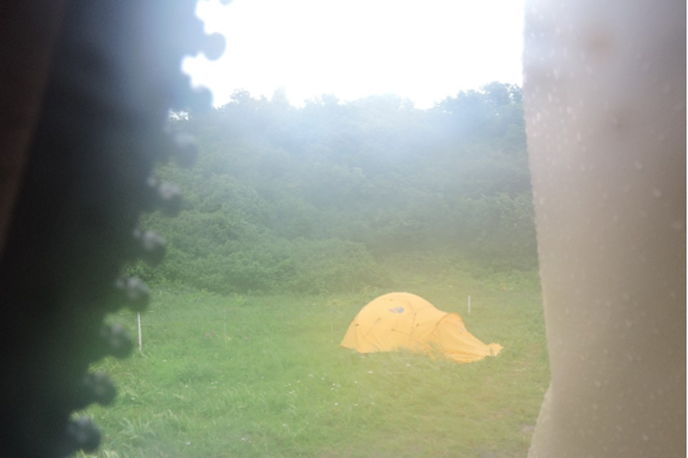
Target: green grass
264	376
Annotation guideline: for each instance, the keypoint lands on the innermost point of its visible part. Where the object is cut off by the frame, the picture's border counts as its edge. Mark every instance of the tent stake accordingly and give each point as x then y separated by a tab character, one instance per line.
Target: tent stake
469	305
138	316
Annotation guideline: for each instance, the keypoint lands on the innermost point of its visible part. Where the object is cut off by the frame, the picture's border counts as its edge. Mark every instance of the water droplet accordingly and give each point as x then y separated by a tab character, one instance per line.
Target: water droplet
657	192
638	165
598	384
646	437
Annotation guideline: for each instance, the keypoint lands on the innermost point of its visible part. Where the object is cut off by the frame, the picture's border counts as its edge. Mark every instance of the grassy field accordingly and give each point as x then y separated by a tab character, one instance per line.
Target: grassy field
264	376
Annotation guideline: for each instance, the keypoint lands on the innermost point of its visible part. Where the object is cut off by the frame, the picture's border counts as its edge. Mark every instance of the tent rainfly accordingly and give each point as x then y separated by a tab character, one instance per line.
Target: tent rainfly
403	320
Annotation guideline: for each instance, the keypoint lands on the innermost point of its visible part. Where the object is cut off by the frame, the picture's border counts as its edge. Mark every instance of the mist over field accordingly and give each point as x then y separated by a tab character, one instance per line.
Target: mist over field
294	219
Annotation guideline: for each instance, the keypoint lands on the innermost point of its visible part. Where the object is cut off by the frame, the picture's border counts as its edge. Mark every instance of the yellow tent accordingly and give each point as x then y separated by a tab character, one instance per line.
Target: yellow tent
404	320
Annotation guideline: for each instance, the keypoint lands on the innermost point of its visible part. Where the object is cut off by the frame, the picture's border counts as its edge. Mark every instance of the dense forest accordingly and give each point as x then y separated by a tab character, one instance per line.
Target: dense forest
318	198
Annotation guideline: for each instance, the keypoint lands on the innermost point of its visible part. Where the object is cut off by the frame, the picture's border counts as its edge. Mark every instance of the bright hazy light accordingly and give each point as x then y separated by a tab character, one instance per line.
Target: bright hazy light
423	50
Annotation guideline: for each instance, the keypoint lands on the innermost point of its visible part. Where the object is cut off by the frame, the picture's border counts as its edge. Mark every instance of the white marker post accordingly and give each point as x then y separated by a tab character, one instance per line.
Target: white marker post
138	316
469	305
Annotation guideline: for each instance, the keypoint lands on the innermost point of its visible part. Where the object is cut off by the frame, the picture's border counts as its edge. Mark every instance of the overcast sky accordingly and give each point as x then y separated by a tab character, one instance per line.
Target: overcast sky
424	50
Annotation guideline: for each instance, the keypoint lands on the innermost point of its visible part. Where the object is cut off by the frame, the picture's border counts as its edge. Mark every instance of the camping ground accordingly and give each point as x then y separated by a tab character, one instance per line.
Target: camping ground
264	376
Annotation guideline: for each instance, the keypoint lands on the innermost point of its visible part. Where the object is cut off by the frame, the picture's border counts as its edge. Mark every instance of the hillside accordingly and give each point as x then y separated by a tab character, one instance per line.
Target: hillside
313	199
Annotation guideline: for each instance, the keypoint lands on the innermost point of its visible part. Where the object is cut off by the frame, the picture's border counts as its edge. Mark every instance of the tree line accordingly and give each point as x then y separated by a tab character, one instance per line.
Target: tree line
314	199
